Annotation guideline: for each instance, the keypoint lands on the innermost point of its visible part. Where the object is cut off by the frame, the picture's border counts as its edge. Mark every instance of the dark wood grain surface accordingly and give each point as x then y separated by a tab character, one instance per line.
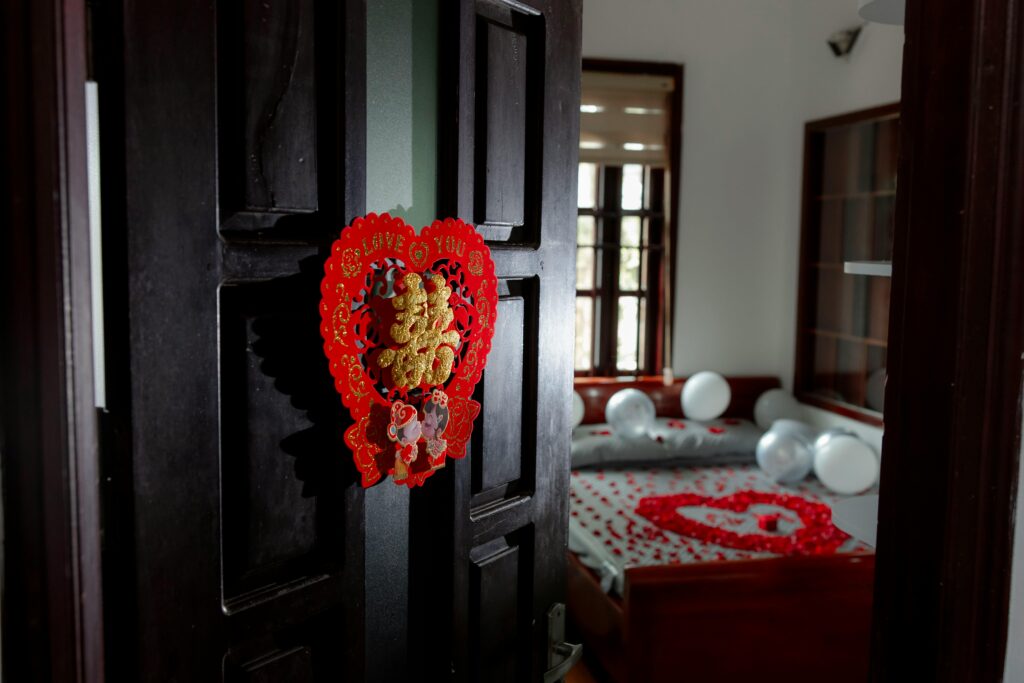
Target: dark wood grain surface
956	337
489	533
52	599
236	543
785	618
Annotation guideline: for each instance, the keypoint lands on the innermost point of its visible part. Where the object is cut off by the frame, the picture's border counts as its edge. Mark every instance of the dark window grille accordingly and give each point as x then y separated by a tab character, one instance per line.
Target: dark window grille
620	272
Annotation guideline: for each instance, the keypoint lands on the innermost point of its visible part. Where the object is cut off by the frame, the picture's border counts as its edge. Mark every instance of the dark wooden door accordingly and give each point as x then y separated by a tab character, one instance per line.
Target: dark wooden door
239	544
509	129
233	152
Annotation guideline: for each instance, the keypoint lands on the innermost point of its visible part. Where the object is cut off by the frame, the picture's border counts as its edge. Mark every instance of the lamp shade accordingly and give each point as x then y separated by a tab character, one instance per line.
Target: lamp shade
882	11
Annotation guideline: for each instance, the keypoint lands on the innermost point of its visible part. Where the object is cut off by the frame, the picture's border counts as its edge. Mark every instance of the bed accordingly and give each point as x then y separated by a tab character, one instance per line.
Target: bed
709	602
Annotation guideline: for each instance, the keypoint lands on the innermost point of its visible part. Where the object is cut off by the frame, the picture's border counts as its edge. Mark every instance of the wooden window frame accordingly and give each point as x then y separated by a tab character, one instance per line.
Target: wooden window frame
806	316
656	353
606	291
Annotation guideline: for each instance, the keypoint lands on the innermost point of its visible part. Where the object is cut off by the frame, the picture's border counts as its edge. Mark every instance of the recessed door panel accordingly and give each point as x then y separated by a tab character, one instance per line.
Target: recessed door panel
509	74
267	107
497	571
280	482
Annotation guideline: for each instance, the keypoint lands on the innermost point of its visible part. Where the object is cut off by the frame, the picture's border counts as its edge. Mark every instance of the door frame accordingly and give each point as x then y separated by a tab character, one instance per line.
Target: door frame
949	474
944	564
52	598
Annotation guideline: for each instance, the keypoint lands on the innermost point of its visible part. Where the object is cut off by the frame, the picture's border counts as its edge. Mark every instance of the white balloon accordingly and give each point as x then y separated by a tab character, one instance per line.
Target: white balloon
786	451
630	413
577	409
801	429
830	434
845	464
705	396
775	404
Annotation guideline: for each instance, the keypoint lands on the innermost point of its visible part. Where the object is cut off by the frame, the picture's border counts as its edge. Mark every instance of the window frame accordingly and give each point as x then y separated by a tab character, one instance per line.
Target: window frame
657	352
803	362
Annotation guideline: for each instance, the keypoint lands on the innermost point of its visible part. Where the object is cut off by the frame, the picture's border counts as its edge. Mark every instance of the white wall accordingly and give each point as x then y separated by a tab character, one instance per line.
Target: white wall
401	109
755	72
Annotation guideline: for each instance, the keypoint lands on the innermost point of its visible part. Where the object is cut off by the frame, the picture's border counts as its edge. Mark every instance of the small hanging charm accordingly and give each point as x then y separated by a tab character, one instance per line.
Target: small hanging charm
407	322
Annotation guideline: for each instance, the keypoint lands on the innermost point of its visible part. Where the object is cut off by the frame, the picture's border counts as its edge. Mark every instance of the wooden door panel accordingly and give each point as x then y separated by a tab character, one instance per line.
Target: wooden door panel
511	163
281	482
504	80
500	644
504	402
291	665
267	107
509	84
248	522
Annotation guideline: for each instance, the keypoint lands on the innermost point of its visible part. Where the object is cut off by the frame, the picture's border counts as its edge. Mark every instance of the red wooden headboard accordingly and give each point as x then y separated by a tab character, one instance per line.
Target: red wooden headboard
597	390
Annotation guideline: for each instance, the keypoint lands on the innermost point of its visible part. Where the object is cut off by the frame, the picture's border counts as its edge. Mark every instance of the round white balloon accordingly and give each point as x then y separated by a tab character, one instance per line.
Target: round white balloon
845	464
800	429
705	396
577	409
786	451
775	404
830	434
630	413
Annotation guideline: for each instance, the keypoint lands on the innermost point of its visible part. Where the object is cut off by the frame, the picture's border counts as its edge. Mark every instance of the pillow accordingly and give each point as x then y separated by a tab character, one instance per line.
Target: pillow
717	442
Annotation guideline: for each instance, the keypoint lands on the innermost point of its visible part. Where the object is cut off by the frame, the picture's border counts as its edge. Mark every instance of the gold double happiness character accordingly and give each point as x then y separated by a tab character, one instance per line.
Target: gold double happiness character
427	348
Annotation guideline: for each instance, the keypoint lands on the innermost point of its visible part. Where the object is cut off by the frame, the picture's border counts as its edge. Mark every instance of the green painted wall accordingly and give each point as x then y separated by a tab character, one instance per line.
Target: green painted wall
401	109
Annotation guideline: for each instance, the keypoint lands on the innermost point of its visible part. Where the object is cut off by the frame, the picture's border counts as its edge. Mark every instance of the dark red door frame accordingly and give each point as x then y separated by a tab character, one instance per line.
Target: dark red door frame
52	621
952	413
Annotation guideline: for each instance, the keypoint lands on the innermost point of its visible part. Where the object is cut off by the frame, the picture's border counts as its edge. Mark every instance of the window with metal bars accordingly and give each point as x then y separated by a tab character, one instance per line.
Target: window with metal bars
630	150
620	276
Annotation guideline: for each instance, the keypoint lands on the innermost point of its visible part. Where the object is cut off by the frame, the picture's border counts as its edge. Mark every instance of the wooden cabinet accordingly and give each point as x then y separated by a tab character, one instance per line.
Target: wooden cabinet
849	197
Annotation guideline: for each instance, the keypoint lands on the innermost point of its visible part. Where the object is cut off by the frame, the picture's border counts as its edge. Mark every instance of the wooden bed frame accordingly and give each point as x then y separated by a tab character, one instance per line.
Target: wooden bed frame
785	618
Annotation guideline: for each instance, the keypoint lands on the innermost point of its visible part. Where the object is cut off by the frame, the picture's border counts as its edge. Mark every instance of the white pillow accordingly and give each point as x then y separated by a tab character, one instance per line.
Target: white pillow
690	442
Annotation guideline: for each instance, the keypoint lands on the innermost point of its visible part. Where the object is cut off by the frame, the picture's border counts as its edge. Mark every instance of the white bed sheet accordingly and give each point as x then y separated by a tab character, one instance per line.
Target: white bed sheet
608	536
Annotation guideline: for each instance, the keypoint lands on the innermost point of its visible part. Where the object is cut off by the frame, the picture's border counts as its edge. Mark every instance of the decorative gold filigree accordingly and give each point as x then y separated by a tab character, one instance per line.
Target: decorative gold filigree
483	308
476	263
418	253
468	368
427	346
356	377
350	262
342	312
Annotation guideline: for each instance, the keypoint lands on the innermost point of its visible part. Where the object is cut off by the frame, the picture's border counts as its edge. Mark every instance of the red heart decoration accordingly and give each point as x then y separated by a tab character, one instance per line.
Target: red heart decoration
407	318
817	536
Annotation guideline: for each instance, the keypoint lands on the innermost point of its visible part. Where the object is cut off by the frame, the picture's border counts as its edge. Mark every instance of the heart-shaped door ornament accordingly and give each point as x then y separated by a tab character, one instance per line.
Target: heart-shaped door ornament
407	322
816	536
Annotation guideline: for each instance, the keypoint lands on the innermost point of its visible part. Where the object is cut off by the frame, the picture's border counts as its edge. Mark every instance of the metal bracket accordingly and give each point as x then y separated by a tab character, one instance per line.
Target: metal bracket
561	655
